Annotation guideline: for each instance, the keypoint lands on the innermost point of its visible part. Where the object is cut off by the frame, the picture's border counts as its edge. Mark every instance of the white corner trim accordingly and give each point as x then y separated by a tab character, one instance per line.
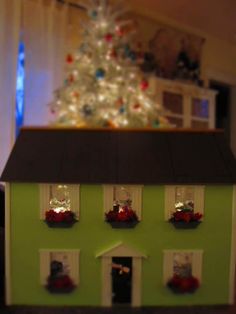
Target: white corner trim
233	250
8	244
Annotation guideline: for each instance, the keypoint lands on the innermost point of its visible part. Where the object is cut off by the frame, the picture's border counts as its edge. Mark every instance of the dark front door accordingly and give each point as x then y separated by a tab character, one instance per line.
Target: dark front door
121	280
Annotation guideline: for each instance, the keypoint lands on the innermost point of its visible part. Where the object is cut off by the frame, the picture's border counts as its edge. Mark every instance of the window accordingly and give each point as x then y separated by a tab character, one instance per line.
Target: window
190	197
183	263
123	195
58	264
60	198
200	113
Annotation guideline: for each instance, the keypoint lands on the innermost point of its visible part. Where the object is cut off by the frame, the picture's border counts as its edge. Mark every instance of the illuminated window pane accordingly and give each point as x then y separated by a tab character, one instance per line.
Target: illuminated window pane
59	198
184	197
200	108
59	263
122	193
122	198
19	110
182	264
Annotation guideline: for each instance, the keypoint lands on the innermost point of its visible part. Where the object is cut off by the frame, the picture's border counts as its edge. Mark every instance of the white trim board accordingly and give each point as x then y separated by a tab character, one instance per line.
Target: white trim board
106	265
233	250
8	295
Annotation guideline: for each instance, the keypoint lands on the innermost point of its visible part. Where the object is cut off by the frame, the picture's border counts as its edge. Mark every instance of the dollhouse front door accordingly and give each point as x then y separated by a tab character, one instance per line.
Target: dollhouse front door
121	276
121	273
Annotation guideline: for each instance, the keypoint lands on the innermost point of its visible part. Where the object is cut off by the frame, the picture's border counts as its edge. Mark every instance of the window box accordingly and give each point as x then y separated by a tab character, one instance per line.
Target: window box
126	218
61	284
185	219
123	224
60	220
184	225
181	285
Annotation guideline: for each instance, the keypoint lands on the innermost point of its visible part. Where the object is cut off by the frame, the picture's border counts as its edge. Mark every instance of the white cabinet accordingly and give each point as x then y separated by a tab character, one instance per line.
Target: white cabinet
188	106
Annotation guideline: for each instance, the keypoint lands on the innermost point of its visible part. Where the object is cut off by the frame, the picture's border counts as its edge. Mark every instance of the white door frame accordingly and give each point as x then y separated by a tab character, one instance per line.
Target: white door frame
121	250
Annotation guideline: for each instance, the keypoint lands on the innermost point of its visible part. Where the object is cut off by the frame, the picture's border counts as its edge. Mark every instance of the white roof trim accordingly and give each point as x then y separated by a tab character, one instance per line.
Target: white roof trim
120	249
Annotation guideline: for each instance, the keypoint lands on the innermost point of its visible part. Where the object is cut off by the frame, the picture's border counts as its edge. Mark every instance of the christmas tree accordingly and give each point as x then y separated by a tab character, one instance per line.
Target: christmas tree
104	87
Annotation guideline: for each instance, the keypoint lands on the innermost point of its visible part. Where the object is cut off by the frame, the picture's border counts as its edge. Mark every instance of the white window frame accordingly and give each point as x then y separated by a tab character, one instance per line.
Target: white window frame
168	263
136	195
45	260
199	199
74	190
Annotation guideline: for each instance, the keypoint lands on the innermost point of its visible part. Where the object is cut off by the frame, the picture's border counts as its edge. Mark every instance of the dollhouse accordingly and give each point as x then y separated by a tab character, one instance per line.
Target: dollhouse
106	217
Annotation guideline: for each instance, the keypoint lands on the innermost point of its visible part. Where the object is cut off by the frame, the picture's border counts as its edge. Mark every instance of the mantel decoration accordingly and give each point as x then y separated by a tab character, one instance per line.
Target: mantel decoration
58	281
60	215
122	215
179	284
184	216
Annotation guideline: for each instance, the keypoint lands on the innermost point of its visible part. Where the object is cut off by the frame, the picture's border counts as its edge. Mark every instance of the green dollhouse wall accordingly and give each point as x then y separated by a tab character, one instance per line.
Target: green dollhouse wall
91	235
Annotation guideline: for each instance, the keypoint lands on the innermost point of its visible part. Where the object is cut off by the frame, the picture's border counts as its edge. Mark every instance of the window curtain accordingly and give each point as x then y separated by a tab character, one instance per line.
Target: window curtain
45	32
10	17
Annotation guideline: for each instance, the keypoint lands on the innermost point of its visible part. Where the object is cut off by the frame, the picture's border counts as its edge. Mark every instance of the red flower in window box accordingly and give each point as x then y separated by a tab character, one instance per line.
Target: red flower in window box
123	215
183	284
185	219
61	219
60	284
124	218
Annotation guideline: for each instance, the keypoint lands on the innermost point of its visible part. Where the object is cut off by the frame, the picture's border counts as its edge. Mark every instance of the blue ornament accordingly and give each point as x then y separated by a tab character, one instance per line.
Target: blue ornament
132	55
127	50
122	109
100	74
94	14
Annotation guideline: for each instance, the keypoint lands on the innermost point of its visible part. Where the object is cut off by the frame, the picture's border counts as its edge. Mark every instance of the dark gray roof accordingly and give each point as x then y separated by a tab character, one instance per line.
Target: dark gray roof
120	156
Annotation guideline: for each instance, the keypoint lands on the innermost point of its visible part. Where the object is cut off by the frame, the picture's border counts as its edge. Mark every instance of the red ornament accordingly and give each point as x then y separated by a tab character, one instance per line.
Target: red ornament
113	53
108	37
136	106
71	78
69	58
144	85
119	102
